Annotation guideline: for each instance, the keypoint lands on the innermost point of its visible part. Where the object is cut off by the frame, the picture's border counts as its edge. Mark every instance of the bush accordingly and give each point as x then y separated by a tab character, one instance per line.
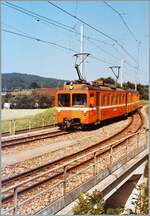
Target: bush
29	101
89	204
24	102
114	211
45	101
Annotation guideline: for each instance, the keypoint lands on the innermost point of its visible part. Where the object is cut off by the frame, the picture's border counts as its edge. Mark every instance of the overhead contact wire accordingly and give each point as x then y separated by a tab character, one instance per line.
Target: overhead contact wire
97	30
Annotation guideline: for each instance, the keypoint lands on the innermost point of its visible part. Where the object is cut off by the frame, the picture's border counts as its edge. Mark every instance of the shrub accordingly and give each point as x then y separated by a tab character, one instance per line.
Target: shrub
89	204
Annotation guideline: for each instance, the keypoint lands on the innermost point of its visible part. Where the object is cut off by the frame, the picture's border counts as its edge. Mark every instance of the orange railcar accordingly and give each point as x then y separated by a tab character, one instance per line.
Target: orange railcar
80	104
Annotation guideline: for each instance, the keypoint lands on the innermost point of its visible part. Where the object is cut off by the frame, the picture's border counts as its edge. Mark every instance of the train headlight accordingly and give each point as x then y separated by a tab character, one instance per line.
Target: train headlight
71	85
84	114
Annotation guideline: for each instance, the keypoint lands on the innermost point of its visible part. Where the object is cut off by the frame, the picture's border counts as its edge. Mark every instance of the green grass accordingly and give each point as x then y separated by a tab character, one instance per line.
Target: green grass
46	117
10	114
144	102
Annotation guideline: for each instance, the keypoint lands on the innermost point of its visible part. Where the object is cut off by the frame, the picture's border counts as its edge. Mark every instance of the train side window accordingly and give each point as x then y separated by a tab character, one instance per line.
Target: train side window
119	99
129	98
108	99
112	98
91	94
104	101
116	99
122	98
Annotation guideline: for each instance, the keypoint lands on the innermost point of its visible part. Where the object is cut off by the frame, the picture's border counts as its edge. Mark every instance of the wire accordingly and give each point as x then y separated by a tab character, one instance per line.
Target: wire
30	13
101	60
132	66
35	15
12	27
39	40
123	20
97	30
50	43
38	17
61	25
103	50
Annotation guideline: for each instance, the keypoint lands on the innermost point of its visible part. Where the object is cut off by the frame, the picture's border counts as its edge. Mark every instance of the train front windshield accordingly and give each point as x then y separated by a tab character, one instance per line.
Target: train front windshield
64	100
79	100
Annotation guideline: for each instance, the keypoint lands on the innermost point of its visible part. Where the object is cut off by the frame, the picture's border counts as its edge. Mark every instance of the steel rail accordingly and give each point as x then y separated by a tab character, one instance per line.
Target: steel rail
107	148
102	150
26	173
27	130
15	207
31	138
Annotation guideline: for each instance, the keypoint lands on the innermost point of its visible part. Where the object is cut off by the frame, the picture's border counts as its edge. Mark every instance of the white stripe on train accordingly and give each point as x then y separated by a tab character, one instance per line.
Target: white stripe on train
92	108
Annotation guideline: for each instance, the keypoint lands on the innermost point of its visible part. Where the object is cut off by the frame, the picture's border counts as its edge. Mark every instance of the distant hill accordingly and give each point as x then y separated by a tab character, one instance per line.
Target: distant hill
11	81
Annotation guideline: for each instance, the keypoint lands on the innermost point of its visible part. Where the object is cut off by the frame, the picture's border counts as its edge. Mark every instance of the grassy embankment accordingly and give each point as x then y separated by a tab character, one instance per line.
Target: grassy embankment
23	118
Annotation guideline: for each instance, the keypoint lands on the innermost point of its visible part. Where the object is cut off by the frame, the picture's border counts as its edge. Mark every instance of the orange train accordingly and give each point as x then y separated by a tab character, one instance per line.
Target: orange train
80	104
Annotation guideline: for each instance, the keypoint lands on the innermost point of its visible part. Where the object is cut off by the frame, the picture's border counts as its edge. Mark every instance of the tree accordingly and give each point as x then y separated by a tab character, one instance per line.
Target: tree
129	85
93	205
107	80
141	202
7	97
24	102
143	90
34	85
45	100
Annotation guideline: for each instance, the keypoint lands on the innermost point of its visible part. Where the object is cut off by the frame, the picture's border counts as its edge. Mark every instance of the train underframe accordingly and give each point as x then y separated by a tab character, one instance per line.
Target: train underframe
74	123
69	124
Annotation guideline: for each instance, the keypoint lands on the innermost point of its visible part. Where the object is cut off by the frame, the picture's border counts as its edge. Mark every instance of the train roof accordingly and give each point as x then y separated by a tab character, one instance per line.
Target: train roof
94	86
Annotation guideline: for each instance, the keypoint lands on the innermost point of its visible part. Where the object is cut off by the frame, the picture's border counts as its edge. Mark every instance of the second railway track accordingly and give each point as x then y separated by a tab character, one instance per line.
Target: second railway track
31	138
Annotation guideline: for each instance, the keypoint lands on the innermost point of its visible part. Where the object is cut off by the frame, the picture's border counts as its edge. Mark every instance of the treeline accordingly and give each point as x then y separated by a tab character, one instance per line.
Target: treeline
20	81
142	89
30	100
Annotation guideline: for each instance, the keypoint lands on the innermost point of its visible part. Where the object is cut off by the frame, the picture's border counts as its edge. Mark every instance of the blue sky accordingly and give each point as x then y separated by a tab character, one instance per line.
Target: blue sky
32	57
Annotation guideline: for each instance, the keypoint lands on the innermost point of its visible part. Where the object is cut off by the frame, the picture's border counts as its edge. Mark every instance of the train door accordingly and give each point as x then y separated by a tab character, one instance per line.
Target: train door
97	106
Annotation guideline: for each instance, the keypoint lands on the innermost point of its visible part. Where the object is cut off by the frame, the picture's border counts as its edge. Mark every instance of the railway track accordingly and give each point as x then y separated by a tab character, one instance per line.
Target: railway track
8	142
4	134
37	172
34	137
